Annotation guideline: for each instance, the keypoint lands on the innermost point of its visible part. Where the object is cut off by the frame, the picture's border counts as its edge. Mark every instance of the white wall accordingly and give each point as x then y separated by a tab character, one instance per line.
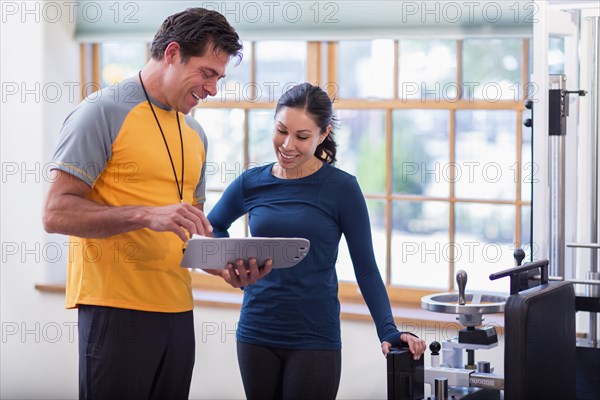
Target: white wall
39	344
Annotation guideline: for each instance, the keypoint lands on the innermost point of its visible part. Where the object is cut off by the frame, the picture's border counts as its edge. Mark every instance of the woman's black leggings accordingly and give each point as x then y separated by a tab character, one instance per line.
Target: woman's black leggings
287	374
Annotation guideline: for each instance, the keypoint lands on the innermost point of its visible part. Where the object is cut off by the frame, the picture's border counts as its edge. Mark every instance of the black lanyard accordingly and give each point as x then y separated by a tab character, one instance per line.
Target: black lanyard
179	188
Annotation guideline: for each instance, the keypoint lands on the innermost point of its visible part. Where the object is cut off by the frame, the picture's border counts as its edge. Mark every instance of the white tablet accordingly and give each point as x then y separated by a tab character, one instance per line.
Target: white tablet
215	253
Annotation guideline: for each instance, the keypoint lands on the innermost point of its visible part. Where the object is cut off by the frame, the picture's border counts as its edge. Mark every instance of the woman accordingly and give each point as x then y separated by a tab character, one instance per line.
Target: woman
289	344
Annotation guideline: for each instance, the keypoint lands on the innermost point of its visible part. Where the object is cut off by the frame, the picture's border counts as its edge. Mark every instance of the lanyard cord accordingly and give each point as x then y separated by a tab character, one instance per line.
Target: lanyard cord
179	188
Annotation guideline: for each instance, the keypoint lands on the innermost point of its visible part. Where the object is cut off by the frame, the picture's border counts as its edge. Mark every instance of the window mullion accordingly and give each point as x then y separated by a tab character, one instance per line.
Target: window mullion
452	205
313	63
388	197
332	68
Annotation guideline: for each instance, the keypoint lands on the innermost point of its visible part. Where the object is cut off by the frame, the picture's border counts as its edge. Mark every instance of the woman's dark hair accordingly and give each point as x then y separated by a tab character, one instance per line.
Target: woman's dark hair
314	101
194	29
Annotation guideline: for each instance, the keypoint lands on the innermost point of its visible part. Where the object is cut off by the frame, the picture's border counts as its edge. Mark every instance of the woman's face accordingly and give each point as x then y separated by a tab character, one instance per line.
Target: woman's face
295	139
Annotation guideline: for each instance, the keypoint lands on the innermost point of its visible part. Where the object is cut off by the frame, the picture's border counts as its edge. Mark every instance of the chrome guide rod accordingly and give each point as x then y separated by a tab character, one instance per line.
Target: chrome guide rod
556	164
594	130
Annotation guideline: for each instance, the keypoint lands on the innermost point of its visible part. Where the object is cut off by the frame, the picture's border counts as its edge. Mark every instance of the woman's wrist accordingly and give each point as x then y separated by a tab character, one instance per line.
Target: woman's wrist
404	336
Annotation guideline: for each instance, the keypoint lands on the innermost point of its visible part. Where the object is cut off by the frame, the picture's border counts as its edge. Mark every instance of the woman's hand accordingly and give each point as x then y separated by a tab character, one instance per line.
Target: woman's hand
415	345
241	274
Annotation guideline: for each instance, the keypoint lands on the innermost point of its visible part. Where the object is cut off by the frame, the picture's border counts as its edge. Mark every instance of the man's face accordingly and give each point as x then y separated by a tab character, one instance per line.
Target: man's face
185	84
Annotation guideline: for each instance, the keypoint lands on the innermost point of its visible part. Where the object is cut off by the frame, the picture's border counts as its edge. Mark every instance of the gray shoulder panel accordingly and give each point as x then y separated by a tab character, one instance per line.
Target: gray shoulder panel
195	125
87	135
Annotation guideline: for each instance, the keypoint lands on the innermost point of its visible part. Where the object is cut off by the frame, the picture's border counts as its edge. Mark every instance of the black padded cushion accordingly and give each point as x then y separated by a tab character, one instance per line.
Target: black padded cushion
405	375
540	343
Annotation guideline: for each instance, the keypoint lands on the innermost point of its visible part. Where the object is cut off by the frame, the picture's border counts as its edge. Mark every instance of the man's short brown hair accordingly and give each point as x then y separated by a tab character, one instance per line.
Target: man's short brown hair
194	29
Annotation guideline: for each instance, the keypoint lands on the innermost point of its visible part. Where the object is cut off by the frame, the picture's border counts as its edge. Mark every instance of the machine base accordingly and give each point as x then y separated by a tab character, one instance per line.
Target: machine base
471	393
588	373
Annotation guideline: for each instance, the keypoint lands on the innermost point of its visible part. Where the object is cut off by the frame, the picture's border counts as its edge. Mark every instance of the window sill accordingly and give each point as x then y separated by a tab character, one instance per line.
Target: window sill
407	316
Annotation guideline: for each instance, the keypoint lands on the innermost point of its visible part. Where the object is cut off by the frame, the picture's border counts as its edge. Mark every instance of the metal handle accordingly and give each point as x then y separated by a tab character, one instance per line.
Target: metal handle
585	245
514	274
519	256
461	280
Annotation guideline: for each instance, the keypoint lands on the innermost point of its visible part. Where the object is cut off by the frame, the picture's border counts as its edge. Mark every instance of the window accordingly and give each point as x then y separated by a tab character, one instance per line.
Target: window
279	66
556	55
492	69
431	128
224	160
120	61
427	68
366	69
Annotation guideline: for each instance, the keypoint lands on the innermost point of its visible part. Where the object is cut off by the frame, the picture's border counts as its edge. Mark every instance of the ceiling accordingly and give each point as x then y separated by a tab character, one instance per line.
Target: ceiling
313	19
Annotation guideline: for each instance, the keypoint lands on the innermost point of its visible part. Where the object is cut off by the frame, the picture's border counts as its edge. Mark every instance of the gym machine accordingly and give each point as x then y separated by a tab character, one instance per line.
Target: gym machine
543	358
588	350
539	344
452	375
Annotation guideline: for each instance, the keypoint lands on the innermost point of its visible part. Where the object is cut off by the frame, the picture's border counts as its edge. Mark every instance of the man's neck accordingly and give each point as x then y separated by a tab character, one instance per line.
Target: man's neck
152	75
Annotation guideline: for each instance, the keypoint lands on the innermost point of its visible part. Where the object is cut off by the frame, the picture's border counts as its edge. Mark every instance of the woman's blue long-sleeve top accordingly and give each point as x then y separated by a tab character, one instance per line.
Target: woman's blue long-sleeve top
298	307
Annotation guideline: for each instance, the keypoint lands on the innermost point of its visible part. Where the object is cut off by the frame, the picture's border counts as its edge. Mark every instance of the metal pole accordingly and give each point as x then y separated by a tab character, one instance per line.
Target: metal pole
556	164
574	281
594	103
594	125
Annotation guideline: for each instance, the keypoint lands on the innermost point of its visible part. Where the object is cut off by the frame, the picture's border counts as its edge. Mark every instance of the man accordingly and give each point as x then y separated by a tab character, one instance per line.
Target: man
129	189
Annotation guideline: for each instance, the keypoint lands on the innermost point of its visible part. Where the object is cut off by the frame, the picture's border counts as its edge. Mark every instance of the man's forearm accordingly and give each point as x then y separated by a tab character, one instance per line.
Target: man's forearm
84	218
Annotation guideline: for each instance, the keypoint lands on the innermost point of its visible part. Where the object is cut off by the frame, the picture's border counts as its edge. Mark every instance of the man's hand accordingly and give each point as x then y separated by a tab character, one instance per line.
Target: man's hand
242	274
178	218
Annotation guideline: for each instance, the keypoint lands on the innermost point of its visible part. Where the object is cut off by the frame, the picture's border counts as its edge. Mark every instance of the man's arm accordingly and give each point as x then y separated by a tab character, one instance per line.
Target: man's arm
67	210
